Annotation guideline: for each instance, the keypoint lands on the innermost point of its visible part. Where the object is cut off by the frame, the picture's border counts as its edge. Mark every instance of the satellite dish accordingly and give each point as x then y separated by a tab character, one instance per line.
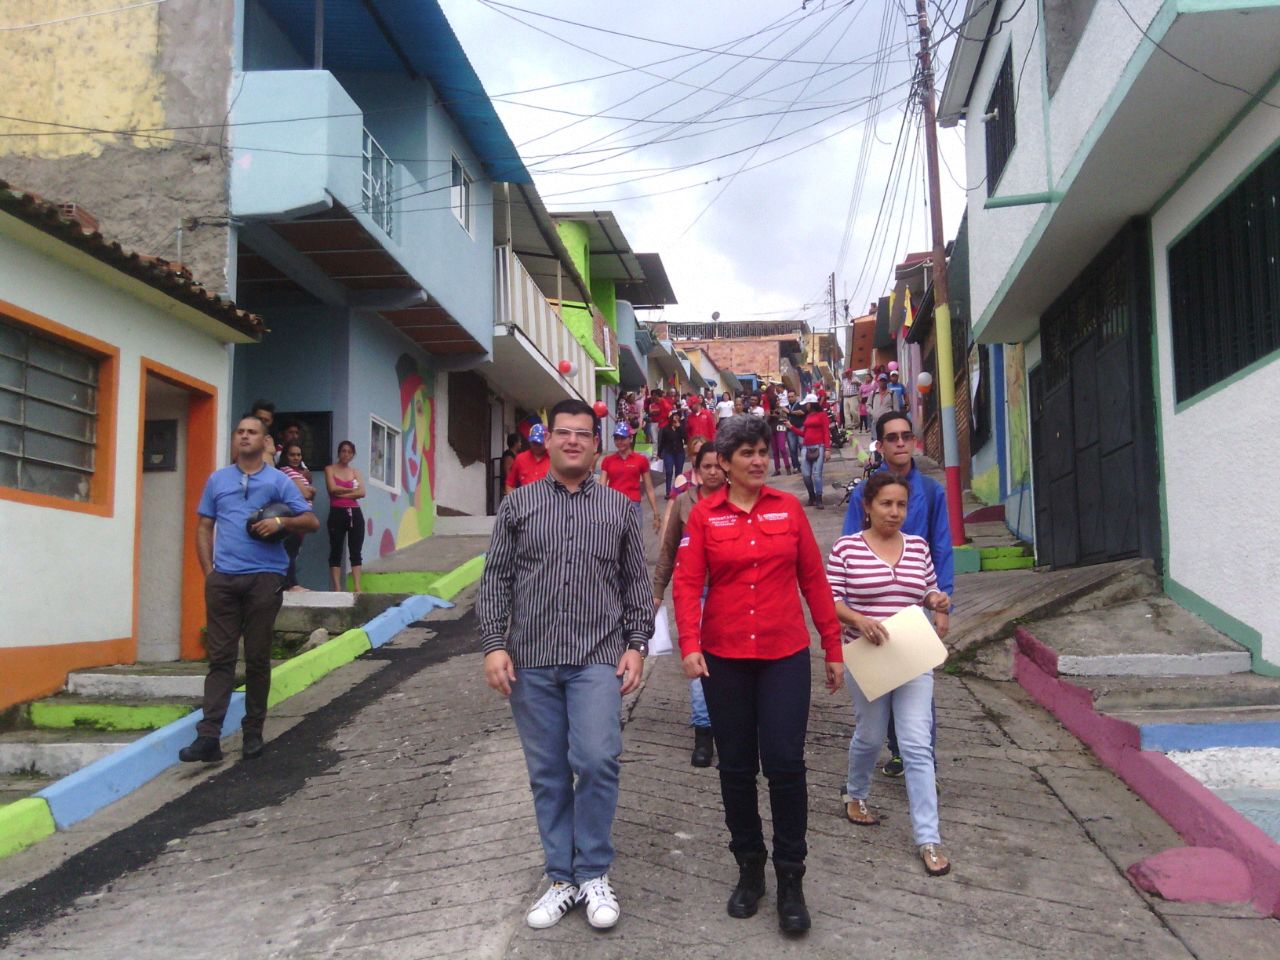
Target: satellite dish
715	315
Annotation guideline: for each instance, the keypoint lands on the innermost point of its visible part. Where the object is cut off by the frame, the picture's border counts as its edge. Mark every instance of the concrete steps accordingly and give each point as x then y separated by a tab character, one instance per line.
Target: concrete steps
17	786
70	712
1151	637
57	753
141	681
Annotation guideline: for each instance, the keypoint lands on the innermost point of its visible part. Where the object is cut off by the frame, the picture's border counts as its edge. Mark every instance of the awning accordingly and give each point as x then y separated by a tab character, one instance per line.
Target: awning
639	278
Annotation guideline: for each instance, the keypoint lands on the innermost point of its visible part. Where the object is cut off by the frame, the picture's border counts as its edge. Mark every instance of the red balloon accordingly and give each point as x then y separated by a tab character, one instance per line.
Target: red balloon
601	408
568	368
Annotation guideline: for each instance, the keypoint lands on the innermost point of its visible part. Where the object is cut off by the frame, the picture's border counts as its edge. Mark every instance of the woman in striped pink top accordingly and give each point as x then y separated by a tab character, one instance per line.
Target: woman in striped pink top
873	575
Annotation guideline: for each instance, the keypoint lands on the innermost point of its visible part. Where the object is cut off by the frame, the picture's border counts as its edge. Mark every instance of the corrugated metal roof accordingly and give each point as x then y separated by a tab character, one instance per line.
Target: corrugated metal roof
412	37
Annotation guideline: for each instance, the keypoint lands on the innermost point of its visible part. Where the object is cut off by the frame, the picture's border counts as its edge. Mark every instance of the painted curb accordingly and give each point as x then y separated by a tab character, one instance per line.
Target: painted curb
459	578
1200	817
414	581
85	792
966	560
88	790
24	822
294	676
1041	654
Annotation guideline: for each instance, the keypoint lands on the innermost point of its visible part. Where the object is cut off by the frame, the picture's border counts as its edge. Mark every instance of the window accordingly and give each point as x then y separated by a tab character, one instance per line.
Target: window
49	394
1224	284
384	455
998	119
460	194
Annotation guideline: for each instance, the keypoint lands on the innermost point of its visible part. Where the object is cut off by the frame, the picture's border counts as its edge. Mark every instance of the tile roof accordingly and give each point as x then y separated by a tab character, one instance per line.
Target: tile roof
171	279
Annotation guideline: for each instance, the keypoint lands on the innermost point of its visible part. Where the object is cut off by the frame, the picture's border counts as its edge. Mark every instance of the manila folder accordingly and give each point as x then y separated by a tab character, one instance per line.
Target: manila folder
913	648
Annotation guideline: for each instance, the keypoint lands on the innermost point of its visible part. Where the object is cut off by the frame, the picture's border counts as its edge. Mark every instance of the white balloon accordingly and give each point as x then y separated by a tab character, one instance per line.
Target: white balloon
924	380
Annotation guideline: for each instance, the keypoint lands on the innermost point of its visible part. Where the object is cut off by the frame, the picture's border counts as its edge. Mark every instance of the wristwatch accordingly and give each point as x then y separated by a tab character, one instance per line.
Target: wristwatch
639	646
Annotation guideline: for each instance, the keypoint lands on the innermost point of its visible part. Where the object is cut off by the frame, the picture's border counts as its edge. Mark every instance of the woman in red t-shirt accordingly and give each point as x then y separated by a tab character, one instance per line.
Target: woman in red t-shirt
815	438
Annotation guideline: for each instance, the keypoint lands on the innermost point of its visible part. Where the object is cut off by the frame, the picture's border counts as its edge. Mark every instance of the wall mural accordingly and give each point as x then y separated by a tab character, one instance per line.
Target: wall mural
417	480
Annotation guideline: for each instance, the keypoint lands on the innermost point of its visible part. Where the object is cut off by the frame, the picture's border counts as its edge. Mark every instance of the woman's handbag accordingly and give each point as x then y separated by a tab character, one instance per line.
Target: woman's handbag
811	454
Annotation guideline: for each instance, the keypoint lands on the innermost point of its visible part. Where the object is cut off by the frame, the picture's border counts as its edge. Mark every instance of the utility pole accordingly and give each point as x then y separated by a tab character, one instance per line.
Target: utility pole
941	302
831	297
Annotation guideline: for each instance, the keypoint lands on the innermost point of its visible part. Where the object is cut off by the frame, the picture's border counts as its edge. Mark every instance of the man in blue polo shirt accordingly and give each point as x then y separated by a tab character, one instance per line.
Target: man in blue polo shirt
243	585
926	517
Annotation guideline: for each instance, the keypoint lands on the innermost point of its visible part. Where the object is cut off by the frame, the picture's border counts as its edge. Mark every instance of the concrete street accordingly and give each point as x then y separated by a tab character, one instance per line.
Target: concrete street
391	818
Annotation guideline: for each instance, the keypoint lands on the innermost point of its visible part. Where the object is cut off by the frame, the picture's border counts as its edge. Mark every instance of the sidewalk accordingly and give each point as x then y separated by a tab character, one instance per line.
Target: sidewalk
391	818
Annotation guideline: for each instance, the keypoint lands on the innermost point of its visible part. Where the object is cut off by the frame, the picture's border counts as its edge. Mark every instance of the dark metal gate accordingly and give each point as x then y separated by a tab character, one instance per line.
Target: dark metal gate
1092	414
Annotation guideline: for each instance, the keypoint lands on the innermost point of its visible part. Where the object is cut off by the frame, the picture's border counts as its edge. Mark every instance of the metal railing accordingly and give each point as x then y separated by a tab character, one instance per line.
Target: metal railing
376	183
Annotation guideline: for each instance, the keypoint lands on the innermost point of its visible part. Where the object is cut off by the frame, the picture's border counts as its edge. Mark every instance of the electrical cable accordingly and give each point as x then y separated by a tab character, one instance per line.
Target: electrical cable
81	16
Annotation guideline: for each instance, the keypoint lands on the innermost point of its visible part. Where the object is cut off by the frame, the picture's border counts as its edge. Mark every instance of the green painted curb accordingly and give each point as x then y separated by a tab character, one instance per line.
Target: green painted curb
1009	563
294	676
413	581
52	715
990	553
966	560
458	579
22	823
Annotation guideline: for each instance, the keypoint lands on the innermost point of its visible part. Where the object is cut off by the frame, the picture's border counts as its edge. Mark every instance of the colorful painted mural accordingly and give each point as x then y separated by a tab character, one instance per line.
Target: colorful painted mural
417	426
1019	425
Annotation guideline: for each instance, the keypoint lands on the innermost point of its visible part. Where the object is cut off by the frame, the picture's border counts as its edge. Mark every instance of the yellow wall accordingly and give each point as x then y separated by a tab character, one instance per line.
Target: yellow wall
99	72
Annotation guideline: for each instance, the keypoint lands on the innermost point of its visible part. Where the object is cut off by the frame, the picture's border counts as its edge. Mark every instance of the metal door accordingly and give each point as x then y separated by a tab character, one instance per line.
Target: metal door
1093	446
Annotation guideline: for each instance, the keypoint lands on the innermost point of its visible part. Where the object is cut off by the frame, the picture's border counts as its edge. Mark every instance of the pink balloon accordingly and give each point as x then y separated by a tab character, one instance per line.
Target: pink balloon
892	365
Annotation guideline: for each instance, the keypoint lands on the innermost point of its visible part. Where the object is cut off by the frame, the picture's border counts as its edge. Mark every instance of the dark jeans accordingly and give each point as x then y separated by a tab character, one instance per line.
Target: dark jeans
239	605
346	522
292	544
672	465
933	734
793	447
759	713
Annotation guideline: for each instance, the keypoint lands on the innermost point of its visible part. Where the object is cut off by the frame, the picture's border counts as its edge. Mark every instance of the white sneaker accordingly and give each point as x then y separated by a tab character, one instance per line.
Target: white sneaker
602	905
559	899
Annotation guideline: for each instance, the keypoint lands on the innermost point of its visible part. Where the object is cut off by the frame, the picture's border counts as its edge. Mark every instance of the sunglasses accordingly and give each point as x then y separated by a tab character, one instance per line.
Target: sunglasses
906	436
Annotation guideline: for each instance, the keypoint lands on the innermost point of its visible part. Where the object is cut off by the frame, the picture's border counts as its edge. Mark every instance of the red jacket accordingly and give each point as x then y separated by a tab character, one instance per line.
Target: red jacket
527	469
701	423
754	562
816	430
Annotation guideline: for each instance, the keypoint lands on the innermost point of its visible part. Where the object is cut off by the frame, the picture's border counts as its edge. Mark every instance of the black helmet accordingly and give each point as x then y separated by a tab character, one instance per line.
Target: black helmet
269	512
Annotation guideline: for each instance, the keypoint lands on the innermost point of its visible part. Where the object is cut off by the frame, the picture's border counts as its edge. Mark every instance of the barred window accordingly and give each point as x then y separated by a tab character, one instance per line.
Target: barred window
48	414
1001	132
1224	284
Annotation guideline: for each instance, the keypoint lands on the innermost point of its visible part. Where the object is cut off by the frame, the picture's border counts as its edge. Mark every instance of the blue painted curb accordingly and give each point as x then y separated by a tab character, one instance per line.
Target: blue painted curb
103	782
1204	736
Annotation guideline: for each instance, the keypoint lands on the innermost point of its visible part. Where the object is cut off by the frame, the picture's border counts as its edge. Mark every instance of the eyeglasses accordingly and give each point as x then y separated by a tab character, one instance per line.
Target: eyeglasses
906	436
564	433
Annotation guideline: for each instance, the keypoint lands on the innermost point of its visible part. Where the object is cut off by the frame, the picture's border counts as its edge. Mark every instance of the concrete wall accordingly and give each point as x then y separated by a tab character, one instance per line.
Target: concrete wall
161	532
93	555
1043	152
155	67
1217	551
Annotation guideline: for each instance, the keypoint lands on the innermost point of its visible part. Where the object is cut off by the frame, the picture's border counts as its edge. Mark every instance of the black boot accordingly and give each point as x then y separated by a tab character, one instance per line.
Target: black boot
808	485
704	747
745	898
793	915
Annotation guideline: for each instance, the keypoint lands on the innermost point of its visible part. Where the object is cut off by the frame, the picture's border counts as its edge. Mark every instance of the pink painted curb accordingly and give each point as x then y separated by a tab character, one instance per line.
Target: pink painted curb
1201	874
1043	655
1187	805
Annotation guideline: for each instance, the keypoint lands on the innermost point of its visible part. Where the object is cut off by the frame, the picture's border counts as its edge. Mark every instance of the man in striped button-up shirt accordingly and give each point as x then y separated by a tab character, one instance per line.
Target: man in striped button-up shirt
565	618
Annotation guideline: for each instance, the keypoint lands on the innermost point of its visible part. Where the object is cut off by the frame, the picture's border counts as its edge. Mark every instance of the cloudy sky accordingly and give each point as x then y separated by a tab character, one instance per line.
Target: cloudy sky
750	142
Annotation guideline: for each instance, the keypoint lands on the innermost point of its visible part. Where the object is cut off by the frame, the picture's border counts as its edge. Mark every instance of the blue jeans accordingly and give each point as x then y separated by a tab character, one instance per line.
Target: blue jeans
567	718
672	465
698	716
813	471
912	705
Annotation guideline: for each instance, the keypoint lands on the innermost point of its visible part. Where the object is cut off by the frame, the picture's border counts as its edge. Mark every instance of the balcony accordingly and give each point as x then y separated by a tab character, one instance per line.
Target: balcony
530	340
314	194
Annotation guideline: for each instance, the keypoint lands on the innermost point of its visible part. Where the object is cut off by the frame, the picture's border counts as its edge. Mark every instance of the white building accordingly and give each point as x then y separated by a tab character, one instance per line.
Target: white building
1124	236
114	376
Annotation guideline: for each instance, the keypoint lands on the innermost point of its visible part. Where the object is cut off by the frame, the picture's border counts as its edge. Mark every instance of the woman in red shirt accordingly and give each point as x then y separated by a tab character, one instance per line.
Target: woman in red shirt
750	645
815	437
